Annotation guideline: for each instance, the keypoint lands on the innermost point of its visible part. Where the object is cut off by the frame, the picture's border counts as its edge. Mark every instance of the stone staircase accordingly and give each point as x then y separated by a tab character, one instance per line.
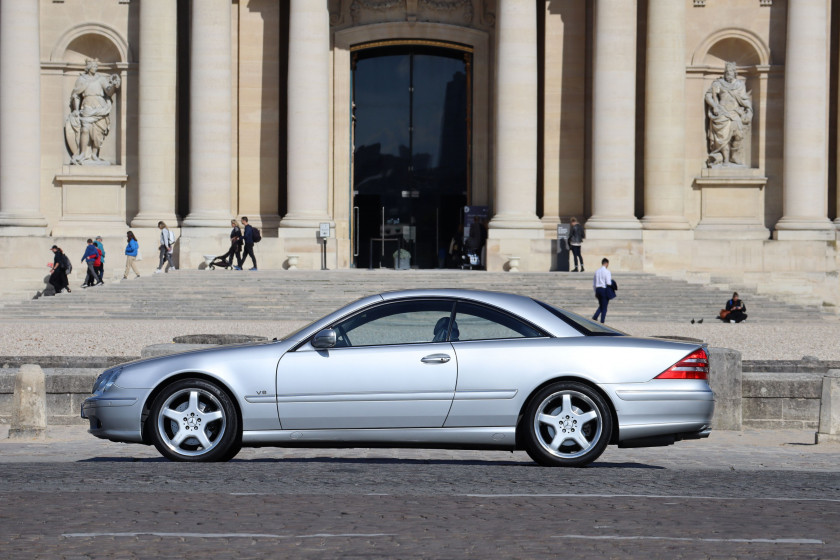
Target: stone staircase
306	295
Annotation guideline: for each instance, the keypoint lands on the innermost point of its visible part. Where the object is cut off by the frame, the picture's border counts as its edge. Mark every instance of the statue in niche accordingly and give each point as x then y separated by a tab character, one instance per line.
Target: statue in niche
730	112
89	120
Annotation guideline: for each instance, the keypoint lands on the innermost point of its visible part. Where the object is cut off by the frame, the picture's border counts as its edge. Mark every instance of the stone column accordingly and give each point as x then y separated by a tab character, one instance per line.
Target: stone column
308	116
664	157
614	122
210	114
157	118
805	175
516	120
20	120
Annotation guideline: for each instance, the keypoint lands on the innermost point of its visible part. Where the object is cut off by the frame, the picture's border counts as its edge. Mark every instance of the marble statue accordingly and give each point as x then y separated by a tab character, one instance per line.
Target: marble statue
730	112
89	120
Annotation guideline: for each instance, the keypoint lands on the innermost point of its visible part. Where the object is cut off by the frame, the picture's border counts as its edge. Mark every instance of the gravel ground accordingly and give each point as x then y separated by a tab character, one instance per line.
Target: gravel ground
127	338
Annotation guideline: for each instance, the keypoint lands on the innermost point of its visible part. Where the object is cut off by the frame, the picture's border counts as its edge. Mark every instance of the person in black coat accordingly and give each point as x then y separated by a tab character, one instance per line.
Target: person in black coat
58	270
737	309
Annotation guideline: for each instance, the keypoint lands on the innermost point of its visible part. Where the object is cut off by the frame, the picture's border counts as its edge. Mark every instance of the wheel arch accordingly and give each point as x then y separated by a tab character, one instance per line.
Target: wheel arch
613	437
147	405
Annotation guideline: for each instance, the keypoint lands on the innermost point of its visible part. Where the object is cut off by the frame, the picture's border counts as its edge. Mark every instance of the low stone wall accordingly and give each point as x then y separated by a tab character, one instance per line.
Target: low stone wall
783	393
782	400
754	394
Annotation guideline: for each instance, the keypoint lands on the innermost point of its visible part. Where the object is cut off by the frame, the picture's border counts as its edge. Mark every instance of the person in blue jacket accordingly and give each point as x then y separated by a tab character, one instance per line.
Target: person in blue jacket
131	250
91	258
248	237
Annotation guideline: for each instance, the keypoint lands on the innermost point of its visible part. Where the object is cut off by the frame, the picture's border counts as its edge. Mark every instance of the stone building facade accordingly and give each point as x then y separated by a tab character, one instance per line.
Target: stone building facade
385	118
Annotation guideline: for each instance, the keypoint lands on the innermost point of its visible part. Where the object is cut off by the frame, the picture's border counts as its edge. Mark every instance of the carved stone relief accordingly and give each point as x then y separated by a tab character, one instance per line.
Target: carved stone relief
457	12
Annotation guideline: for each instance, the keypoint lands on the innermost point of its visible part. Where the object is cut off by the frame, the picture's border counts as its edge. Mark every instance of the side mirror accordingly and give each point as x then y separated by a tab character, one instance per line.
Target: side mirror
324	339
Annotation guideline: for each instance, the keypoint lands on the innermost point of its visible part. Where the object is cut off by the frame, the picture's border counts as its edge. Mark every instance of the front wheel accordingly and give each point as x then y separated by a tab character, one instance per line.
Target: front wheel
568	424
195	420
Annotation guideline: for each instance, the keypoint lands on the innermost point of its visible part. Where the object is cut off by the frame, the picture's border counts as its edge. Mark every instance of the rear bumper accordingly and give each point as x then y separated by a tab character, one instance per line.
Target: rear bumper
676	410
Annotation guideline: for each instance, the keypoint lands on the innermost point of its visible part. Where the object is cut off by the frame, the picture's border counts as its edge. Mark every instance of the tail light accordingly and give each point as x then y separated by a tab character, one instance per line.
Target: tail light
693	366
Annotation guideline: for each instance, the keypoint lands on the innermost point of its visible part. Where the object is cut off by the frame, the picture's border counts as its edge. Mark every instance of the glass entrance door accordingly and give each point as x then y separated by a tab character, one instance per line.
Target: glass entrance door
411	153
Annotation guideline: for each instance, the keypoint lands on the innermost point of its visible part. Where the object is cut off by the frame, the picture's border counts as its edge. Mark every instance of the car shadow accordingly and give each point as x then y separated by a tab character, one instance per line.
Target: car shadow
375	461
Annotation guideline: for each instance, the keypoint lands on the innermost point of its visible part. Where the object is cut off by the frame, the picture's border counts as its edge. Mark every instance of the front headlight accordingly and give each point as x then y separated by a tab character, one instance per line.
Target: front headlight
106	380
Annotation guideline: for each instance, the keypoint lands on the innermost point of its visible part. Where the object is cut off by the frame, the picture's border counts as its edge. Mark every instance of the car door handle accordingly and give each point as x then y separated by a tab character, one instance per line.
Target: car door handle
435	359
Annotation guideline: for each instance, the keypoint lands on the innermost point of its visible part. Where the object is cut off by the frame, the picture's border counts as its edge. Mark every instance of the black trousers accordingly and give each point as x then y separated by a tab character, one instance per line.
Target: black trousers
249	250
576	253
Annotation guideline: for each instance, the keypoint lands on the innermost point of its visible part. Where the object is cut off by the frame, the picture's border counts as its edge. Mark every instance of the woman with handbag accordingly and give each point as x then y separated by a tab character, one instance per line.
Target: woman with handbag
735	311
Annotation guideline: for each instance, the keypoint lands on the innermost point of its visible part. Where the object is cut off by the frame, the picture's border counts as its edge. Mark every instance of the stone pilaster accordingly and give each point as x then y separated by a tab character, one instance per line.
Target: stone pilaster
308	117
664	156
20	123
157	118
210	114
805	175
614	122
515	228
516	117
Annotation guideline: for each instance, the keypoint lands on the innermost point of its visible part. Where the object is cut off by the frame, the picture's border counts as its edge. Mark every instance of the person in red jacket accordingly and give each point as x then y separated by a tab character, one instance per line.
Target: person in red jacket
93	258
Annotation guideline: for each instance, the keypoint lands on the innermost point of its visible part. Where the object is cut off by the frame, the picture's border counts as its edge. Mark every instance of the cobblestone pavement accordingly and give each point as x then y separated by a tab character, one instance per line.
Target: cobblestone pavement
725	450
751	494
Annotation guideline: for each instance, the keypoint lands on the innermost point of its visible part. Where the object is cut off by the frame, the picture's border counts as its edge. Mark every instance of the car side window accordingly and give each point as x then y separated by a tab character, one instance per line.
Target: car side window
477	322
402	322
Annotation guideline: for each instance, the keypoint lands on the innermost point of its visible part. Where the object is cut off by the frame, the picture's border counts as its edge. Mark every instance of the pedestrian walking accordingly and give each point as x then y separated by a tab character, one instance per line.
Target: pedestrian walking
100	269
92	259
249	239
235	246
58	270
131	249
167	240
576	237
602	282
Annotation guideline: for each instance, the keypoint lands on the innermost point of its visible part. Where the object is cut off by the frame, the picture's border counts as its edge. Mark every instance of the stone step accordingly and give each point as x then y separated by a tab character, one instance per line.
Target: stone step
305	295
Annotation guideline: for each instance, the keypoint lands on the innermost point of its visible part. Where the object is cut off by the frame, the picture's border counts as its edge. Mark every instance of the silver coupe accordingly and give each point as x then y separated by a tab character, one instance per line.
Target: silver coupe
419	368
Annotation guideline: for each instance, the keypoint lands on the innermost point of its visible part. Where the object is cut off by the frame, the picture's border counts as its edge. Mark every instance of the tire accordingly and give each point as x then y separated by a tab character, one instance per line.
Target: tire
195	420
566	424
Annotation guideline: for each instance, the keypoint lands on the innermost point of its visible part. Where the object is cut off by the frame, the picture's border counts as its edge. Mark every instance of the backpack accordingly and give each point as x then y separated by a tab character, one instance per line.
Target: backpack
256	235
68	266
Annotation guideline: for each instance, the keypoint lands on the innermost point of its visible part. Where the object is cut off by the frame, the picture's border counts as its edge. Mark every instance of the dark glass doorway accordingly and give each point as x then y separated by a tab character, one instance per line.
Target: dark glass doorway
411	122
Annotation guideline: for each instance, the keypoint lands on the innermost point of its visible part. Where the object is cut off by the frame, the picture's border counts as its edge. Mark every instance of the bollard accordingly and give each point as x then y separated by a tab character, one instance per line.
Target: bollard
29	413
829	429
725	378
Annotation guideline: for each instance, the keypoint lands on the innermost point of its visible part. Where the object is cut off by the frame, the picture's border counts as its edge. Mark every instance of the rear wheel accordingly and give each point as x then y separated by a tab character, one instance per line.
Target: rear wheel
568	424
195	420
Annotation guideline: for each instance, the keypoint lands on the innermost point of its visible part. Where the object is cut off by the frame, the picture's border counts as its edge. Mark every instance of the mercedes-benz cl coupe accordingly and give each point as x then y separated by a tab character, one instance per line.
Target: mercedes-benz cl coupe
441	368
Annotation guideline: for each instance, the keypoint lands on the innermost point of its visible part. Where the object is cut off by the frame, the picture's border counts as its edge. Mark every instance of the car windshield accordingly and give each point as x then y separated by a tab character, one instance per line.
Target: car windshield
582	324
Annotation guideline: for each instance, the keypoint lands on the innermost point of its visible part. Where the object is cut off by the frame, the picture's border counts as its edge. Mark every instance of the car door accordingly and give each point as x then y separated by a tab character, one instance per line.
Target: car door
391	368
495	351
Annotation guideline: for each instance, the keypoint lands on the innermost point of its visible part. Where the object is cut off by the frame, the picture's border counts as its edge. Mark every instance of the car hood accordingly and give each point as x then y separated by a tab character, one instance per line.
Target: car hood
216	361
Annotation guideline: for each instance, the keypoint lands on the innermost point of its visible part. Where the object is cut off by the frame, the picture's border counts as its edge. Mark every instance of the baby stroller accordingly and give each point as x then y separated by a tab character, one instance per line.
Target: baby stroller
469	259
222	262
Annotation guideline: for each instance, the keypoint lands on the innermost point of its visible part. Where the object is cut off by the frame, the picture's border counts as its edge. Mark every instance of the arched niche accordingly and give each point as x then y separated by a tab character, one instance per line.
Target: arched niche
730	200
753	60
731	45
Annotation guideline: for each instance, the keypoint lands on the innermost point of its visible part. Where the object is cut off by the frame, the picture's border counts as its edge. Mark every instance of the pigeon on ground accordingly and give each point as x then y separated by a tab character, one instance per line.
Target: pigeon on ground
692	321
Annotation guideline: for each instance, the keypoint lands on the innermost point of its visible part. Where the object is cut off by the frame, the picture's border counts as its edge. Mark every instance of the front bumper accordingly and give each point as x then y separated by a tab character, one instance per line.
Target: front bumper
115	417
